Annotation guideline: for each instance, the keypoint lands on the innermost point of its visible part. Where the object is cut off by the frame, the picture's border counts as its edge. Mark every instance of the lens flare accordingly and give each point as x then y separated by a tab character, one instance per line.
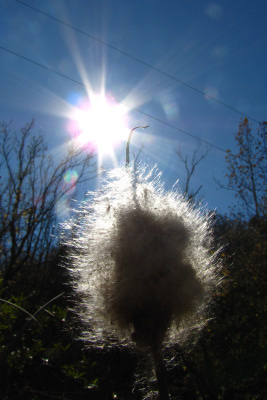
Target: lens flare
71	177
99	123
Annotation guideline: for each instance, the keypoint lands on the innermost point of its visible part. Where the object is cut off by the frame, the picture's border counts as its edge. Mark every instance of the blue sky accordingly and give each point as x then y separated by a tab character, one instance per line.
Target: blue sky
218	48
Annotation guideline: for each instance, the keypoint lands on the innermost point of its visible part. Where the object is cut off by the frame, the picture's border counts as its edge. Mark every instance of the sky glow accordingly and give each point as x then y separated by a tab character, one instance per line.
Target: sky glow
79	89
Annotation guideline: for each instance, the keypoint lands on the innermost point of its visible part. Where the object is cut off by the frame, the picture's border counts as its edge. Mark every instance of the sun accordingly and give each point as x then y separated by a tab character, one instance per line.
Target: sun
100	123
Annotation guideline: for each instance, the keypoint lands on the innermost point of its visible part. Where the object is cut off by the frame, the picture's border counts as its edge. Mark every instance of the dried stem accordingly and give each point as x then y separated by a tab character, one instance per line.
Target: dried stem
128	143
160	373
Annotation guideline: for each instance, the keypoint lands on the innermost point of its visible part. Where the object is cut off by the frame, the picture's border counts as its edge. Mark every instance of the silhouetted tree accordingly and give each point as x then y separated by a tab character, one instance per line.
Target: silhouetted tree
190	164
247	169
31	184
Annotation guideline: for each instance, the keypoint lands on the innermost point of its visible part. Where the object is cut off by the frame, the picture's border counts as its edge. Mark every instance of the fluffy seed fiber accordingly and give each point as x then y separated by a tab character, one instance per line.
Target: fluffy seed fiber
141	262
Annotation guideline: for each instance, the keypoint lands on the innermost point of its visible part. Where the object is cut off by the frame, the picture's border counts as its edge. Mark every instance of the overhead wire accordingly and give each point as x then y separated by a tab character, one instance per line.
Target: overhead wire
117	100
139	60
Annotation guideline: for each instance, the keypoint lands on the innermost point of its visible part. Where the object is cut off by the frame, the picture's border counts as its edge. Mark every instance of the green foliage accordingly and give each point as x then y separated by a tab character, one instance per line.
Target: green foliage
42	359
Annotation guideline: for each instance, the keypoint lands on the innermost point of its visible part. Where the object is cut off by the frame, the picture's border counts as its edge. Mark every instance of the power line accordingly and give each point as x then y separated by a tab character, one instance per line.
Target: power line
118	101
139	60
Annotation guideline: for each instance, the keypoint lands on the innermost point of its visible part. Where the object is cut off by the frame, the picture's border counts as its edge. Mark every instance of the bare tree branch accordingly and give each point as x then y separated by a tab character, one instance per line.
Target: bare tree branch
190	164
31	185
247	170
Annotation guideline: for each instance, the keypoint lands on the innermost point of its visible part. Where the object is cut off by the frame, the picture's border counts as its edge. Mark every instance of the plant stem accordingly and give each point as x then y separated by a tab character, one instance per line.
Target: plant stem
160	373
128	143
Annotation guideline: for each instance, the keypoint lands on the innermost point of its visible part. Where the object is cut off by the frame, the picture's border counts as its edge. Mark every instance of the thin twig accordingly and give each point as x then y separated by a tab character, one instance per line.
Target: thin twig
19	308
12	345
46	304
128	143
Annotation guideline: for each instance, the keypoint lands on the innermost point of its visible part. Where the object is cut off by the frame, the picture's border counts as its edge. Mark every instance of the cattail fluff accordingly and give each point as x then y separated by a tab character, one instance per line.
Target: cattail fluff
141	261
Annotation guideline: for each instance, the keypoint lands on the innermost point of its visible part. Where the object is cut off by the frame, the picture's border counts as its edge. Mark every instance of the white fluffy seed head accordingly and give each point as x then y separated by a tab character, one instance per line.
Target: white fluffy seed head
141	261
